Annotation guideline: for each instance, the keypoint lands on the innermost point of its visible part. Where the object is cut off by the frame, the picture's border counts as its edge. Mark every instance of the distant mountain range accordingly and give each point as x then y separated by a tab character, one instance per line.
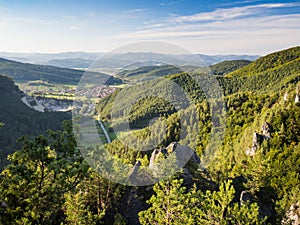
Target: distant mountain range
85	59
41	58
24	72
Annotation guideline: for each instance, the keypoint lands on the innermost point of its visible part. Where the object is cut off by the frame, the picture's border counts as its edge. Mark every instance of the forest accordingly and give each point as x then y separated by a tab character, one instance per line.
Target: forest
250	176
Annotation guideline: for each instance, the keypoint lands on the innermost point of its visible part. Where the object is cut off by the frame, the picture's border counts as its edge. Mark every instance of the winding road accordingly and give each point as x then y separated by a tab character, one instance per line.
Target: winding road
104	131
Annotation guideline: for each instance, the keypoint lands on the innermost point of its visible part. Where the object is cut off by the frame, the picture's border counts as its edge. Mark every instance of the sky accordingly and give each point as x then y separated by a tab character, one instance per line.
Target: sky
200	26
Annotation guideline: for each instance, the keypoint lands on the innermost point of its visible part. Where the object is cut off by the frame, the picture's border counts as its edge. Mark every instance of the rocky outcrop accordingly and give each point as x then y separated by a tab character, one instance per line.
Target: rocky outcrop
251	151
258	138
184	155
161	163
265	211
292	216
47	104
266	131
285	97
154	156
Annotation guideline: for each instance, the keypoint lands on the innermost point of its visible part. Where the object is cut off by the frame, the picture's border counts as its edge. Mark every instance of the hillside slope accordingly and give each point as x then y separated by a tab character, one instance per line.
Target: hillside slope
19	119
272	72
244	168
268	62
23	72
226	67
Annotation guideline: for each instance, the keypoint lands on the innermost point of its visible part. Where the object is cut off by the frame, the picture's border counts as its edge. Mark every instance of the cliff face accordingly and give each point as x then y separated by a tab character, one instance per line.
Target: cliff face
160	163
258	138
47	104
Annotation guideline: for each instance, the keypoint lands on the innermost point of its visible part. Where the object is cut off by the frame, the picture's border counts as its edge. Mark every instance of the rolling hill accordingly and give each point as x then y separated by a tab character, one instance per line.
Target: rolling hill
262	114
226	67
221	183
146	72
70	63
24	72
269	62
78	59
271	72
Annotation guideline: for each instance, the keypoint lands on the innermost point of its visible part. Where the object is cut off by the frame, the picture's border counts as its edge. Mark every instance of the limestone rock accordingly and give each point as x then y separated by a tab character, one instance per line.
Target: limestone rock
292	216
185	157
285	98
153	157
266	131
258	138
251	151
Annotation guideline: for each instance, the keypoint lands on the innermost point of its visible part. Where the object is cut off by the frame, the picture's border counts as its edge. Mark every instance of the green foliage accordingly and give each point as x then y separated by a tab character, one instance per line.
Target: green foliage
143	73
20	120
119	220
173	204
48	182
254	95
148	108
77	212
23	72
166	204
226	67
269	62
33	185
269	73
93	196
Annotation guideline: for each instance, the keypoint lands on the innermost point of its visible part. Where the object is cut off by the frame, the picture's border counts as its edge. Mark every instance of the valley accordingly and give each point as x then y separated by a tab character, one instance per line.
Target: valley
228	134
161	112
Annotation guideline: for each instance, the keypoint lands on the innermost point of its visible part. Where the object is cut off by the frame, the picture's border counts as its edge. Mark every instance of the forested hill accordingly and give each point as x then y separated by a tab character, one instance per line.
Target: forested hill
146	72
260	147
226	67
26	72
23	72
269	62
272	72
20	120
244	168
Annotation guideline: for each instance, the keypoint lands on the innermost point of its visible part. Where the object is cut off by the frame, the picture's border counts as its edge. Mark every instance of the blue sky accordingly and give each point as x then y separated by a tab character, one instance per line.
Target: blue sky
200	26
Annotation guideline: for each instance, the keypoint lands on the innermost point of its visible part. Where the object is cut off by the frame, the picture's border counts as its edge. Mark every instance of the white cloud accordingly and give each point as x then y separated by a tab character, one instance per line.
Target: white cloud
138	10
239	27
229	13
221	14
242	25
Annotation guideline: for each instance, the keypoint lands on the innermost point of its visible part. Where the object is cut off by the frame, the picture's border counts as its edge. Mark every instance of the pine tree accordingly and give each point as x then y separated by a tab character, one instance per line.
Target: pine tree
34	184
174	204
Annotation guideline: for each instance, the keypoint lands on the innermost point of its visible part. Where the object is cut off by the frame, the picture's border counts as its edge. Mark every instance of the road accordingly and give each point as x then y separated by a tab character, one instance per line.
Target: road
104	131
